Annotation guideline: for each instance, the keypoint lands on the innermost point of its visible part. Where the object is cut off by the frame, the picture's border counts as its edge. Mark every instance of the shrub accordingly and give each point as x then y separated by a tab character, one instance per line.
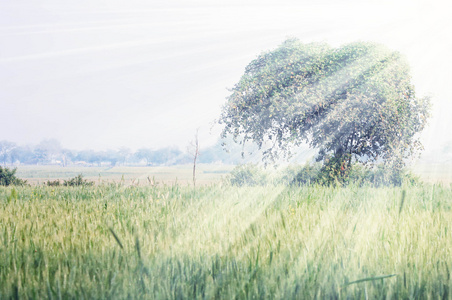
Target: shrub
53	183
8	177
78	181
381	176
411	179
248	174
300	175
360	175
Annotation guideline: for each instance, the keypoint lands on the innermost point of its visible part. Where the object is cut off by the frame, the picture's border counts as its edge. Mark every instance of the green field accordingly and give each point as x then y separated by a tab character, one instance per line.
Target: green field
171	241
182	174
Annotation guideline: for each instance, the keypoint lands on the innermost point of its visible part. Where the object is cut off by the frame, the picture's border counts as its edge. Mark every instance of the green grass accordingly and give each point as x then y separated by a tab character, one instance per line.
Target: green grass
217	241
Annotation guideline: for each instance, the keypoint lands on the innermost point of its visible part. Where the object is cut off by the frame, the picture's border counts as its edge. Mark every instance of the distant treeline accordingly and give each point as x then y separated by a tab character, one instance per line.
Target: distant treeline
50	152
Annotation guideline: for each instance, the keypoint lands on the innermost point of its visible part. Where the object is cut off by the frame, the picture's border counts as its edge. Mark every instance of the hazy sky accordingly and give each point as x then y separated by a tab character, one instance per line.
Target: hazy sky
105	74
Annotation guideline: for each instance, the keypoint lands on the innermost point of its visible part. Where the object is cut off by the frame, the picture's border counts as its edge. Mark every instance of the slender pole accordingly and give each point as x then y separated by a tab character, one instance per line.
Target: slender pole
195	157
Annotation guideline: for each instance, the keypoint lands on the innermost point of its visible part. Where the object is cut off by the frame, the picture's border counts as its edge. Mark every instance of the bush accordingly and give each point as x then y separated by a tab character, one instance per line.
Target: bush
299	175
248	174
78	181
53	183
381	176
8	177
359	175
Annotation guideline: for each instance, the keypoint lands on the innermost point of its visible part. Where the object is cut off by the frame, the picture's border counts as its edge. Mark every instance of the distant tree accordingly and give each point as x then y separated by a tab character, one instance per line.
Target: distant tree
88	156
145	154
23	154
355	103
124	153
48	151
66	156
111	156
39	156
6	149
98	157
167	156
234	154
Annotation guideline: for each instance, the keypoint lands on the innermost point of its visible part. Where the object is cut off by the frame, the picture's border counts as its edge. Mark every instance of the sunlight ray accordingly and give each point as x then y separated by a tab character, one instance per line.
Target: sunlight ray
136	44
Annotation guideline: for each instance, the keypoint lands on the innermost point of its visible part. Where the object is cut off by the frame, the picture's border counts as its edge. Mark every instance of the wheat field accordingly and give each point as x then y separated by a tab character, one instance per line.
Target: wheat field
114	241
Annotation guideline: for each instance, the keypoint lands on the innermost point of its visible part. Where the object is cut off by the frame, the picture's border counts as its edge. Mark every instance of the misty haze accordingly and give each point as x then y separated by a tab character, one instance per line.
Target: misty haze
228	150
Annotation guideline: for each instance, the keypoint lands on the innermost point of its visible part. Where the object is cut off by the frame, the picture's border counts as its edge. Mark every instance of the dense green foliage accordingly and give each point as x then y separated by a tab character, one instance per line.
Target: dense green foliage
355	103
8	177
273	242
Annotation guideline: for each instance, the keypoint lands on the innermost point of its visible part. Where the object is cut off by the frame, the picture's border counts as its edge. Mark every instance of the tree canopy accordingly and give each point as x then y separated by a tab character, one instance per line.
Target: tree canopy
353	103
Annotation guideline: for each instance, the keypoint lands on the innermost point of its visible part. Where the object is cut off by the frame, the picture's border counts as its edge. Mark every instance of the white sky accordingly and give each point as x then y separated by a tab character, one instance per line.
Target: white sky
105	74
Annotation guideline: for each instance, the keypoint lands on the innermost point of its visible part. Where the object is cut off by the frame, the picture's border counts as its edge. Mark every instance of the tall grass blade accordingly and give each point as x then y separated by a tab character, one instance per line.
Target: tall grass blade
370	279
402	200
116	237
137	244
15	292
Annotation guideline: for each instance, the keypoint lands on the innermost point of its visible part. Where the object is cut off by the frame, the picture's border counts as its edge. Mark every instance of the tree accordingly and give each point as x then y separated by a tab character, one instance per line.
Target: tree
48	151
66	156
353	103
111	156
124	153
5	151
145	154
168	156
23	155
89	156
